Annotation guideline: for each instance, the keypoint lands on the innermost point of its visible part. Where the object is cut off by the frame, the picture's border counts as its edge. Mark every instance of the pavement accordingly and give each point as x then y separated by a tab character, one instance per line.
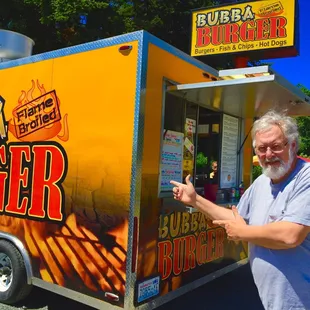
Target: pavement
233	291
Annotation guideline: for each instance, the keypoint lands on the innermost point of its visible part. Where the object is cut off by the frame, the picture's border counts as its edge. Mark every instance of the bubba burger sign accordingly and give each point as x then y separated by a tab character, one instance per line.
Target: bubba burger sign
244	27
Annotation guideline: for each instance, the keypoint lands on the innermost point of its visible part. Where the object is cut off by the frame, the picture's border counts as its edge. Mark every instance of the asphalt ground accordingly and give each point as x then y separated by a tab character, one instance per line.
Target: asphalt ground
233	291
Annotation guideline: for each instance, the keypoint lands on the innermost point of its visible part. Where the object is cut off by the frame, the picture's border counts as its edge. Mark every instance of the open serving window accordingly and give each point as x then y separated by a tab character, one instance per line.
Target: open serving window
203	122
191	144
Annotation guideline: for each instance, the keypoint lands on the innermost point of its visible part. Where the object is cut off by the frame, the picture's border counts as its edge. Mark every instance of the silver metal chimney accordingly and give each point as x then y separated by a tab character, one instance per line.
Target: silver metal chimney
14	45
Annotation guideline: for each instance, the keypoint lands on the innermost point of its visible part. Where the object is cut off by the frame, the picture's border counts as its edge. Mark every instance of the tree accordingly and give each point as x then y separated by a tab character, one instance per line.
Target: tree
19	16
256	172
60	23
168	20
304	128
54	24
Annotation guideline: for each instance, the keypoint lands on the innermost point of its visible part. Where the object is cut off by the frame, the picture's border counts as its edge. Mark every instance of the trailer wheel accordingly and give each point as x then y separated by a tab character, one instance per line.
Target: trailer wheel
13	277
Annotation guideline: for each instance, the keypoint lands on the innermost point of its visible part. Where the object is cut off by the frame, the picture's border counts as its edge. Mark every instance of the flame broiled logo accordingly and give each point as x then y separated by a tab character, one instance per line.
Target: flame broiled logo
38	117
33	116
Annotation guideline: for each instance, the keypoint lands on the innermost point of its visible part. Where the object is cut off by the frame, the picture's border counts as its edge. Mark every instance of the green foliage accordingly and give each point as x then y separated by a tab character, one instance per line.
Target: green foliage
62	18
168	20
304	155
256	172
304	89
304	129
66	10
53	24
201	160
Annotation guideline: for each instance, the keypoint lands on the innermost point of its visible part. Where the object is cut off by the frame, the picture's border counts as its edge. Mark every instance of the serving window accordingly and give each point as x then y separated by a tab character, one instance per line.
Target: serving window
200	142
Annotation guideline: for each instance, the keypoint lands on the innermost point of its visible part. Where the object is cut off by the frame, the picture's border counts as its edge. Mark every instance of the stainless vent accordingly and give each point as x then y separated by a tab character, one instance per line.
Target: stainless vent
14	45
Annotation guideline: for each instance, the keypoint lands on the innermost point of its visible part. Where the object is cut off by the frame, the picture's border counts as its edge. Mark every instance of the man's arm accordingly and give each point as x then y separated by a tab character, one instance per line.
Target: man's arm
216	212
213	211
278	235
186	193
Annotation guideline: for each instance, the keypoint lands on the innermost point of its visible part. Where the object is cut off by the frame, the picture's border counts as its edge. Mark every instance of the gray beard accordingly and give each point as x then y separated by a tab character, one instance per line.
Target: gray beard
276	173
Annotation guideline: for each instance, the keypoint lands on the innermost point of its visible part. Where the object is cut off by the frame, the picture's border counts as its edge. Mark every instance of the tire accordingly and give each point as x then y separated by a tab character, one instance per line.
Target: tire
13	276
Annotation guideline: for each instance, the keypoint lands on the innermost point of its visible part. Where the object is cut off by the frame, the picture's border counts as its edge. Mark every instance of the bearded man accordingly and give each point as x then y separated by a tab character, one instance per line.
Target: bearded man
273	215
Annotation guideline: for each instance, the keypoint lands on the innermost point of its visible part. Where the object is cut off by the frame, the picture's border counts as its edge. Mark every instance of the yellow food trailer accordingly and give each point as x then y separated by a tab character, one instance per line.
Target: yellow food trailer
90	136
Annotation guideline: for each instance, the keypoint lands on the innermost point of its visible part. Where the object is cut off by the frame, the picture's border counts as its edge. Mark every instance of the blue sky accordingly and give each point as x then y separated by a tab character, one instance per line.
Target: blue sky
297	69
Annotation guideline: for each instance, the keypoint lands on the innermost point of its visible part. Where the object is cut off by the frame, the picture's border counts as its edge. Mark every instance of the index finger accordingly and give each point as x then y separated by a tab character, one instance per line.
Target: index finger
175	183
235	211
220	222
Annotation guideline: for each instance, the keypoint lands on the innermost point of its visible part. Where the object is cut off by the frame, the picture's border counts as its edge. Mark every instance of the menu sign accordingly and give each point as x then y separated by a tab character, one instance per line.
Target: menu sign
229	151
171	159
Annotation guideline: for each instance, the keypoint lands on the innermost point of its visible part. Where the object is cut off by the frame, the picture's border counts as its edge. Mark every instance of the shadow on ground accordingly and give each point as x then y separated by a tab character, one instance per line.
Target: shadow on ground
235	290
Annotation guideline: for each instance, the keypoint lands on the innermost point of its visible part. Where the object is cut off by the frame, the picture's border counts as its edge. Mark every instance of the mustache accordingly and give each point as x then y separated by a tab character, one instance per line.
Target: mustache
272	160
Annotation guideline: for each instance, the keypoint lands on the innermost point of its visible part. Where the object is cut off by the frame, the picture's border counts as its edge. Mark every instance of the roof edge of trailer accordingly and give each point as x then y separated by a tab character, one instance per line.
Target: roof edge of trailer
231	94
177	52
219	83
260	71
119	39
89	46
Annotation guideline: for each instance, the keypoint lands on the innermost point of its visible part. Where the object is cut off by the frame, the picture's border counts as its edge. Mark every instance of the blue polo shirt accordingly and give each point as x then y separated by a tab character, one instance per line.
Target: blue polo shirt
282	277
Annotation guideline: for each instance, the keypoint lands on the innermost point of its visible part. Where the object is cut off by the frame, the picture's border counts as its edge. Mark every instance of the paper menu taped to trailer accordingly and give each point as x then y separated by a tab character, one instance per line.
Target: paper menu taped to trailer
190	125
171	159
229	158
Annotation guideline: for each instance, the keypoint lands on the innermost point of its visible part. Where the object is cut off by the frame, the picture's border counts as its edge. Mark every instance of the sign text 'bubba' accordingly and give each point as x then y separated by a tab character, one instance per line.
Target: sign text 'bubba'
187	241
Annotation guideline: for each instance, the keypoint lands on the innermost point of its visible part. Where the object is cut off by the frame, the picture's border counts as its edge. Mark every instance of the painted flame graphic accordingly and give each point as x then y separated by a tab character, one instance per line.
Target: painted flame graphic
58	129
73	254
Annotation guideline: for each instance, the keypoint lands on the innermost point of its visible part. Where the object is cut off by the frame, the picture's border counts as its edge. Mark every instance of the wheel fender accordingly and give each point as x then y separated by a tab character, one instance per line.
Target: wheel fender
23	251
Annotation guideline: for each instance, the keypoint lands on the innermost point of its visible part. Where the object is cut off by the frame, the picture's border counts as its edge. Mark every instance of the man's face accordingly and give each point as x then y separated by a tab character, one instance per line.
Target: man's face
274	152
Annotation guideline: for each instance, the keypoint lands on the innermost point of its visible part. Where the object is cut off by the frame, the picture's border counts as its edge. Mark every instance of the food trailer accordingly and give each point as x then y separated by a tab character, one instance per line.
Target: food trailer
90	136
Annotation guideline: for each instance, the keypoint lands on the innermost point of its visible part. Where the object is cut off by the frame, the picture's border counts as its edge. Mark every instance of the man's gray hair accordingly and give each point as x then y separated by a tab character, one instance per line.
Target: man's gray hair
286	123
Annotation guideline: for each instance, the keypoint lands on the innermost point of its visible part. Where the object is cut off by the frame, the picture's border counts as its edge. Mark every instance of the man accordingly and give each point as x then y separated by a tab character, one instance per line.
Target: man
213	174
273	215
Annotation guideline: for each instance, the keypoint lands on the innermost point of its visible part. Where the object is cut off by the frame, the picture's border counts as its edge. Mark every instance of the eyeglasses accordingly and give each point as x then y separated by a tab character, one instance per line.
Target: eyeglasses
275	148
